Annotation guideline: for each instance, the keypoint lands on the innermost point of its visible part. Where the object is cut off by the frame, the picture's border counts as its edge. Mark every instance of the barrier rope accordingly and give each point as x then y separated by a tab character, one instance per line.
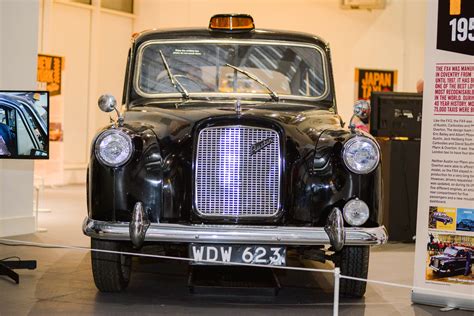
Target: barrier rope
14	242
56	246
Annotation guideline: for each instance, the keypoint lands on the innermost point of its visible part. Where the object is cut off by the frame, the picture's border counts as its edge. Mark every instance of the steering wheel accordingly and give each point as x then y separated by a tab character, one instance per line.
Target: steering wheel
193	84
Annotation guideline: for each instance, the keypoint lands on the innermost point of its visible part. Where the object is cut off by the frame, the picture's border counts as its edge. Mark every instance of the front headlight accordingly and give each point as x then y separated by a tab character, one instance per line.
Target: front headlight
113	148
361	155
356	212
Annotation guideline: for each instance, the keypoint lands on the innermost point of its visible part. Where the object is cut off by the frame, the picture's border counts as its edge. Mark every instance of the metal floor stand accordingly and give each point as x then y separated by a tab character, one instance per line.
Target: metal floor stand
7	267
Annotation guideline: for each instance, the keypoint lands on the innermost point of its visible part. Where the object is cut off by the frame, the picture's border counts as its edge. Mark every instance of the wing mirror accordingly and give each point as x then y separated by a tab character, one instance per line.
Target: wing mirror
107	103
362	112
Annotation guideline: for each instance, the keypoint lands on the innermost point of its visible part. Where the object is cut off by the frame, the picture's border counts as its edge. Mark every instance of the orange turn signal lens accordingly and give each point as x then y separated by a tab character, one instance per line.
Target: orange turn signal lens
232	22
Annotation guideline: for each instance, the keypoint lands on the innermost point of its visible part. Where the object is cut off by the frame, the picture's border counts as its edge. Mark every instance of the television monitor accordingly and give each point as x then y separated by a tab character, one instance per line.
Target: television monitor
24	124
396	114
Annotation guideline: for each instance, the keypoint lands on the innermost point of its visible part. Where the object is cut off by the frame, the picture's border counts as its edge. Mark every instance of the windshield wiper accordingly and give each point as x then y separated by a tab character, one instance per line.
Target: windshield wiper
272	93
176	84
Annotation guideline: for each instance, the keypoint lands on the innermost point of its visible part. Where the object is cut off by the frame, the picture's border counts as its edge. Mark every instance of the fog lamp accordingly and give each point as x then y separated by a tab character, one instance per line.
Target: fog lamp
356	212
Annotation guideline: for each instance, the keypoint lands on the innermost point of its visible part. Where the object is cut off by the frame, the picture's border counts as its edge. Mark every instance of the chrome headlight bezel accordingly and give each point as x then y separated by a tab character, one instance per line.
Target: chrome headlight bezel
346	152
127	141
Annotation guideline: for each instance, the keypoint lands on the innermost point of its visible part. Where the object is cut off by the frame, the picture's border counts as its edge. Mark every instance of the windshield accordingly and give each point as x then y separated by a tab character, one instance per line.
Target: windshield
450	251
288	69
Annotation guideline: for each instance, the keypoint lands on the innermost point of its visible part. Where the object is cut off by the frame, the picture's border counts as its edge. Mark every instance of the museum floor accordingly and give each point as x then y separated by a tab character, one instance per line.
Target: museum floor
62	283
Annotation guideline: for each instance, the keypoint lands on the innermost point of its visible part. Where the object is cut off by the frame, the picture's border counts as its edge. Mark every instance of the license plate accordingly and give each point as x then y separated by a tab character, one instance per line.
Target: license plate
264	255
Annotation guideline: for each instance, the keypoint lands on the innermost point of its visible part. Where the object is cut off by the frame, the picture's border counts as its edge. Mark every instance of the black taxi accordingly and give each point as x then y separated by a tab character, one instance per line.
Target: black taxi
229	146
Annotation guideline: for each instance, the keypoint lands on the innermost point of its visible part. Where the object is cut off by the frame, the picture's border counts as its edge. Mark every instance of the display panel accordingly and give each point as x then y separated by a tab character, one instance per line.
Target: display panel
396	114
24	122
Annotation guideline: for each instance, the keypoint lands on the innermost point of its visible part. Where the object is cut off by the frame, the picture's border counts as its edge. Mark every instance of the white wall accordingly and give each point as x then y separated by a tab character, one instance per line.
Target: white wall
392	38
115	34
18	59
94	43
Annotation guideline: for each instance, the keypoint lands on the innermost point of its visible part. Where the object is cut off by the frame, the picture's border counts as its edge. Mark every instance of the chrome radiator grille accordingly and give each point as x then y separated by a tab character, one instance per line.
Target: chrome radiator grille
237	172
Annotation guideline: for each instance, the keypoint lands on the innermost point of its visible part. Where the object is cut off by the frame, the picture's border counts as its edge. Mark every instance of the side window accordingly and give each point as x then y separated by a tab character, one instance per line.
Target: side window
3	116
25	144
8	128
7	117
33	124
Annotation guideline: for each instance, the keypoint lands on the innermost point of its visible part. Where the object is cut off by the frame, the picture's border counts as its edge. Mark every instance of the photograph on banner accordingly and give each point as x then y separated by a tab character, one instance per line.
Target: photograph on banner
370	80
443	218
465	220
449	258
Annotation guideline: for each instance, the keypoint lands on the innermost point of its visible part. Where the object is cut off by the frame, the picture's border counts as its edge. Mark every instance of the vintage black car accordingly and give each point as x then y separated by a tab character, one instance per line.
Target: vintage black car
441	217
465	224
452	261
230	147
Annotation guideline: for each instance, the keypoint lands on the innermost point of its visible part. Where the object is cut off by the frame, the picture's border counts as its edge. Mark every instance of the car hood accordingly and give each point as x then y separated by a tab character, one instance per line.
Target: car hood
296	115
303	124
442	257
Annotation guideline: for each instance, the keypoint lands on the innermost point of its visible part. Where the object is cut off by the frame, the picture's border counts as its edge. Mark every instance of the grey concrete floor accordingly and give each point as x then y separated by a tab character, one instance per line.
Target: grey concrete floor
62	283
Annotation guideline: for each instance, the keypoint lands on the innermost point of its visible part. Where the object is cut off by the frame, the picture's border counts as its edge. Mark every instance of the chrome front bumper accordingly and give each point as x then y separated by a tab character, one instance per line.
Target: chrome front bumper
226	234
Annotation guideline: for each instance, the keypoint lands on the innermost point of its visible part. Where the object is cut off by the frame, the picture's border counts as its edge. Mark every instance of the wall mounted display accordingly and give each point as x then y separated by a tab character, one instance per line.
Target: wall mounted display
24	119
49	74
446	187
396	114
370	80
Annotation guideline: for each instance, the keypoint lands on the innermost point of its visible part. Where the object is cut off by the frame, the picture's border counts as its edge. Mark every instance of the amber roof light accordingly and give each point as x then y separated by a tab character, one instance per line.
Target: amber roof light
232	22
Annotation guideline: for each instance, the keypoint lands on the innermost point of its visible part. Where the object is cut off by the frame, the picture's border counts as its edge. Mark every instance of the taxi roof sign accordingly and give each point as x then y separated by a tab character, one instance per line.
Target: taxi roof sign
232	22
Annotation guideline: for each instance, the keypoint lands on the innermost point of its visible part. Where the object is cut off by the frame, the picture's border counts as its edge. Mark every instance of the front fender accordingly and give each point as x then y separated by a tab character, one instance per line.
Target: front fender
112	192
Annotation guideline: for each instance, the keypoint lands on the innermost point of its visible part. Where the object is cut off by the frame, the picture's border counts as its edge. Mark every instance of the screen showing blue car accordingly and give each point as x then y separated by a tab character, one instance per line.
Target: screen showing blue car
24	121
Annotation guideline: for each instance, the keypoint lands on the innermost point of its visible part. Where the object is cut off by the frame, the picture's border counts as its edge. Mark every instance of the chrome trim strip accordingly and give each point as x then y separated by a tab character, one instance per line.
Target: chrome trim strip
138	62
197	166
261	235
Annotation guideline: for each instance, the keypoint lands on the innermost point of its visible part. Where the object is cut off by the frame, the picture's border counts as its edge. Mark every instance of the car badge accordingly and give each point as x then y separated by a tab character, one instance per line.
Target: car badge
260	145
238	108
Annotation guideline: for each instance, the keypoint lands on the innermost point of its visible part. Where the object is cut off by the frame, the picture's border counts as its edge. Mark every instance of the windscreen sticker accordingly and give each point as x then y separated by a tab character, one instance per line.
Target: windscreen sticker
178	51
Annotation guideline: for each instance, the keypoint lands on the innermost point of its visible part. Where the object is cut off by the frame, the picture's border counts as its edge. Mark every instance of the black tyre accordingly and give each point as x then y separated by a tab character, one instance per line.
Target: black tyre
353	261
111	271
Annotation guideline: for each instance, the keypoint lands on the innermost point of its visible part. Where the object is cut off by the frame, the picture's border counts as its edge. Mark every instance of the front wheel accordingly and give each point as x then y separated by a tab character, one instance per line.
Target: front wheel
353	261
111	270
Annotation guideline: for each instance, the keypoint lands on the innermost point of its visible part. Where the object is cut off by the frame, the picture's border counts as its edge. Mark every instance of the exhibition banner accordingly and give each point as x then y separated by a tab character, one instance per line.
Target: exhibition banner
445	226
49	73
370	80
